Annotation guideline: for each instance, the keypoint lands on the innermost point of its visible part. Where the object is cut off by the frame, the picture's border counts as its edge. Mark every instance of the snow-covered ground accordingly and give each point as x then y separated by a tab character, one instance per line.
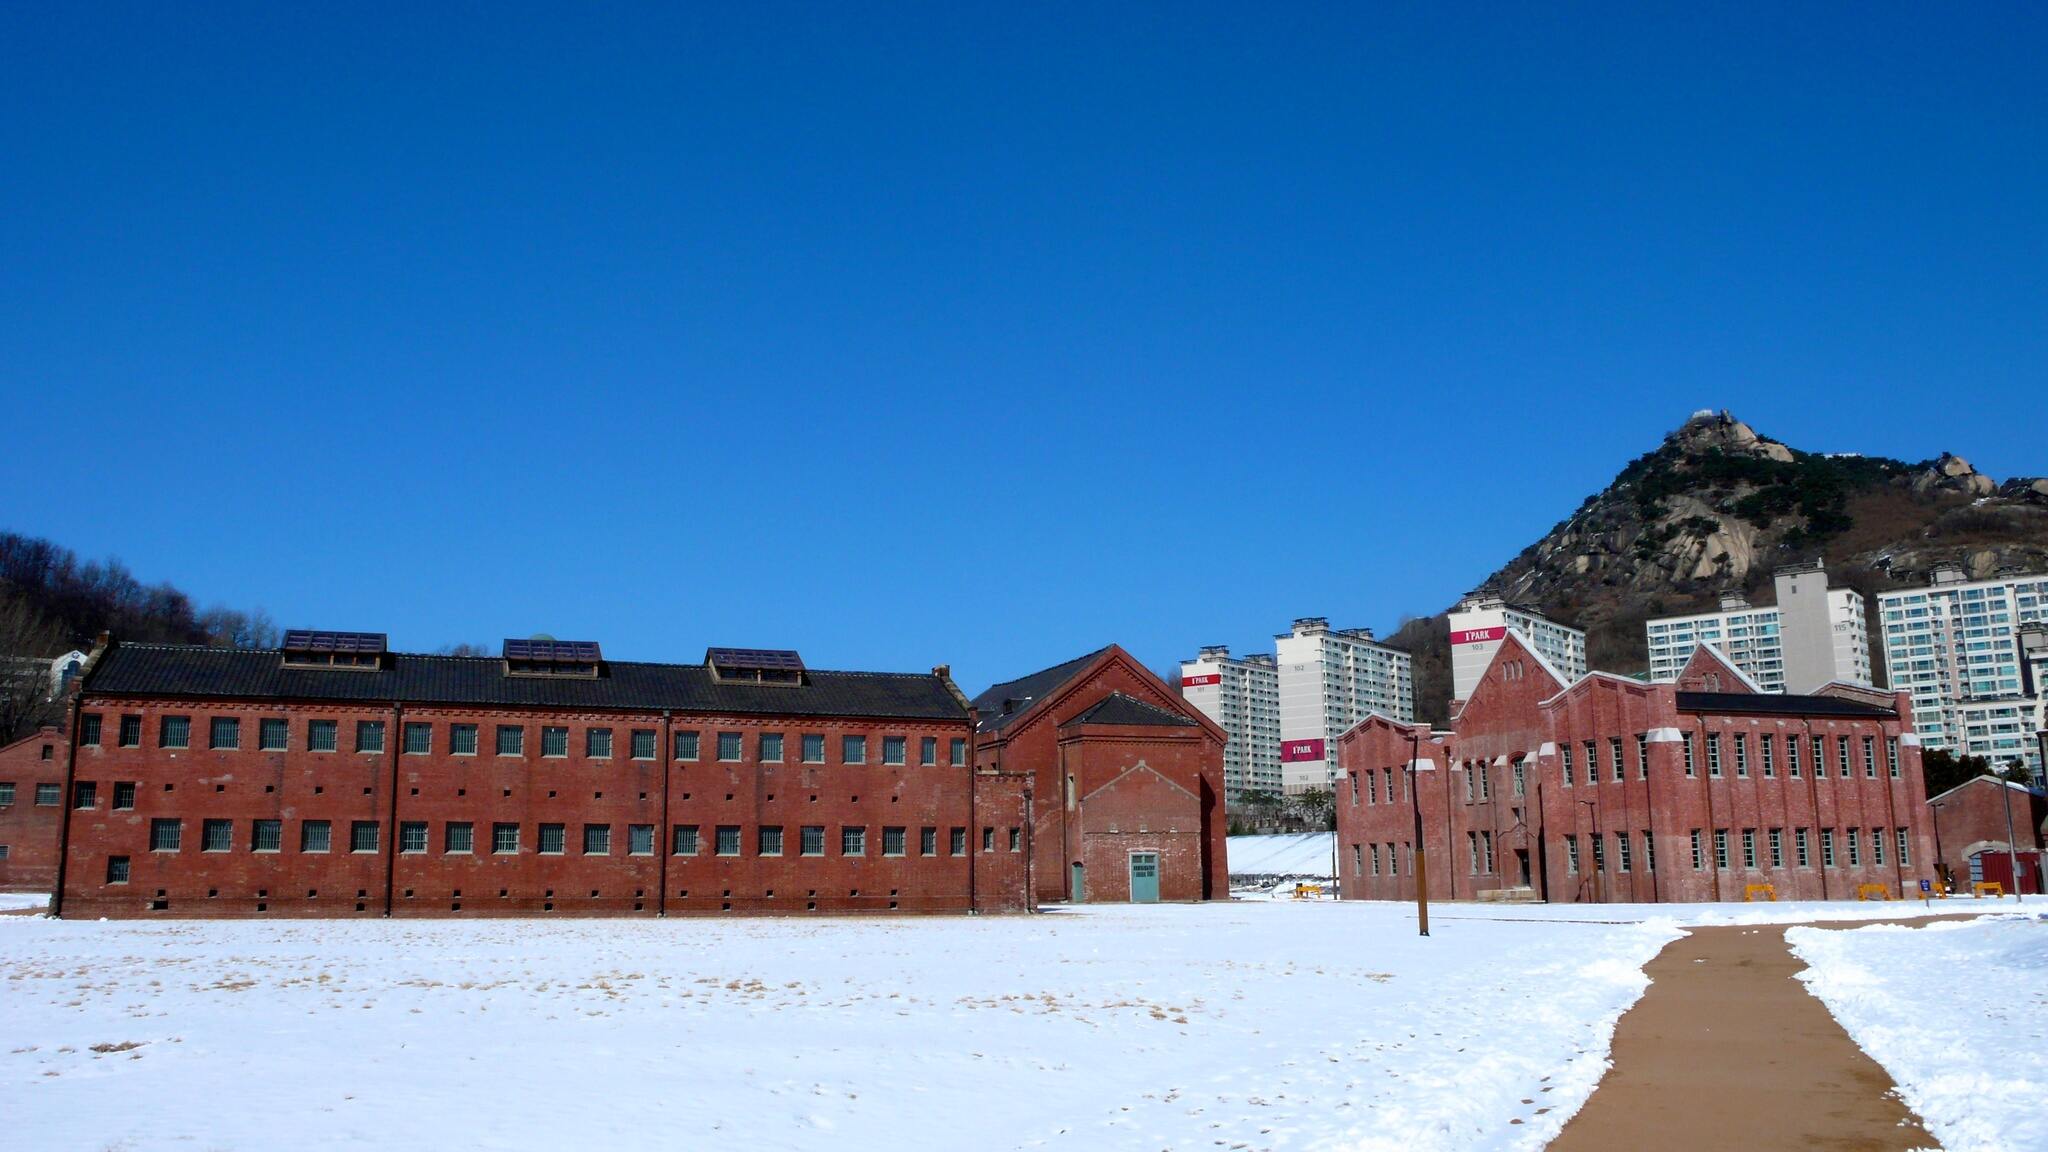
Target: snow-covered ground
16	901
1266	1025
1283	854
1957	1012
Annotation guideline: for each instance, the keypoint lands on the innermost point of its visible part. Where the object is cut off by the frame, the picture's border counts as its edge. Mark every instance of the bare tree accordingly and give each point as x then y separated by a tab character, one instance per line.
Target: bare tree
462	650
234	628
28	641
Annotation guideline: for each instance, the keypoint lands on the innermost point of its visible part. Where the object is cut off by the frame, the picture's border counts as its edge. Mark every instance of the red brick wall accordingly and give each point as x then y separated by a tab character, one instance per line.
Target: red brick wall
529	790
1975	814
1032	745
28	829
1142	789
1509	717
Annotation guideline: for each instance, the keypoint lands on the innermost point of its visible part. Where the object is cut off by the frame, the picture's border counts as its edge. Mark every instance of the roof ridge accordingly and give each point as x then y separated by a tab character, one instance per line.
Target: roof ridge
166	645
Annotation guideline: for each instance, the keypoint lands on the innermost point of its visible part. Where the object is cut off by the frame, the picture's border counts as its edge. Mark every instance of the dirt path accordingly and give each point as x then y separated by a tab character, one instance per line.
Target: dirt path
1727	1050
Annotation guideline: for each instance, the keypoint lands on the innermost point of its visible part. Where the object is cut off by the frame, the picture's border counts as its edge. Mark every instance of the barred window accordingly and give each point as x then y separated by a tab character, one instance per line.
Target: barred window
85	794
685	840
769	840
511	740
462	739
89	729
419	739
315	836
554	838
554	741
459	837
267	836
48	795
362	836
893	749
117	869
166	835
728	842
640	839
853	841
225	732
412	836
892	841
174	732
729	746
771	747
369	735
217	836
597	743
273	734
959	752
814	748
928	751
322	735
504	839
686	745
131	731
956	842
928	842
124	795
643	746
853	750
814	840
597	839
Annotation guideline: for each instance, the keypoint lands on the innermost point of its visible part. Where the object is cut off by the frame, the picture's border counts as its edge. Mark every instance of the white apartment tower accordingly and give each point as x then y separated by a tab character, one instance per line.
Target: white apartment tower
1329	679
1956	646
1482	619
1242	695
1813	635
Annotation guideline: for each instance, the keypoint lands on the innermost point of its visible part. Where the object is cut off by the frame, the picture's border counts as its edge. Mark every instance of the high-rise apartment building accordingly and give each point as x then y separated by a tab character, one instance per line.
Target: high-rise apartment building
1242	695
1812	636
1329	679
1482	619
1955	645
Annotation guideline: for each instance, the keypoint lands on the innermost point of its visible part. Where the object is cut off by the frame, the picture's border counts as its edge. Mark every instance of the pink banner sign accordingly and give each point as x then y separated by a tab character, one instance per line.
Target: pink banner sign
1293	751
1198	681
1478	635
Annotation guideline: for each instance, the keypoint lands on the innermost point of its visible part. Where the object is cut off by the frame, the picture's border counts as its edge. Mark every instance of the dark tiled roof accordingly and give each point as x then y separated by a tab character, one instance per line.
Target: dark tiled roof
1776	704
182	670
1117	708
1026	691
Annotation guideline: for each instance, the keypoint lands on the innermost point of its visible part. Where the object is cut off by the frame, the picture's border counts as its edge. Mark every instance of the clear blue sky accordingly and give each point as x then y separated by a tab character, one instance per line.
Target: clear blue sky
986	336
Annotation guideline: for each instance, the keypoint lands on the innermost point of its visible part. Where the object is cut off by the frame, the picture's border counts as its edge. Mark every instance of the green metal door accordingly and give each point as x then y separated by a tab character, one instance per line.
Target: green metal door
1144	877
1080	886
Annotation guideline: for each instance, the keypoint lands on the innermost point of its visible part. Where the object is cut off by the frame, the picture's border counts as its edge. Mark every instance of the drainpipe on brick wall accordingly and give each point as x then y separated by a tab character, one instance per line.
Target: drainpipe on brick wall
64	819
1542	844
1030	843
1070	795
974	833
1450	873
392	740
664	755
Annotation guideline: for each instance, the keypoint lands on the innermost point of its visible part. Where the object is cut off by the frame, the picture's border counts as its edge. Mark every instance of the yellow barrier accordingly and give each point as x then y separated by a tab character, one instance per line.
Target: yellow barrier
1770	892
1873	892
1992	886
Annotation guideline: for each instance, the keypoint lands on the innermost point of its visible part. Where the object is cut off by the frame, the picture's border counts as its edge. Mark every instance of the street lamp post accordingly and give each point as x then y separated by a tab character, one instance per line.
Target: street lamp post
2012	847
1599	851
1421	857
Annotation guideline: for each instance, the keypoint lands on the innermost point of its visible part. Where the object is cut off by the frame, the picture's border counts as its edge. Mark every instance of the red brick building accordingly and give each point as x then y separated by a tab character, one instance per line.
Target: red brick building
1127	781
334	778
1969	824
1611	789
31	810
